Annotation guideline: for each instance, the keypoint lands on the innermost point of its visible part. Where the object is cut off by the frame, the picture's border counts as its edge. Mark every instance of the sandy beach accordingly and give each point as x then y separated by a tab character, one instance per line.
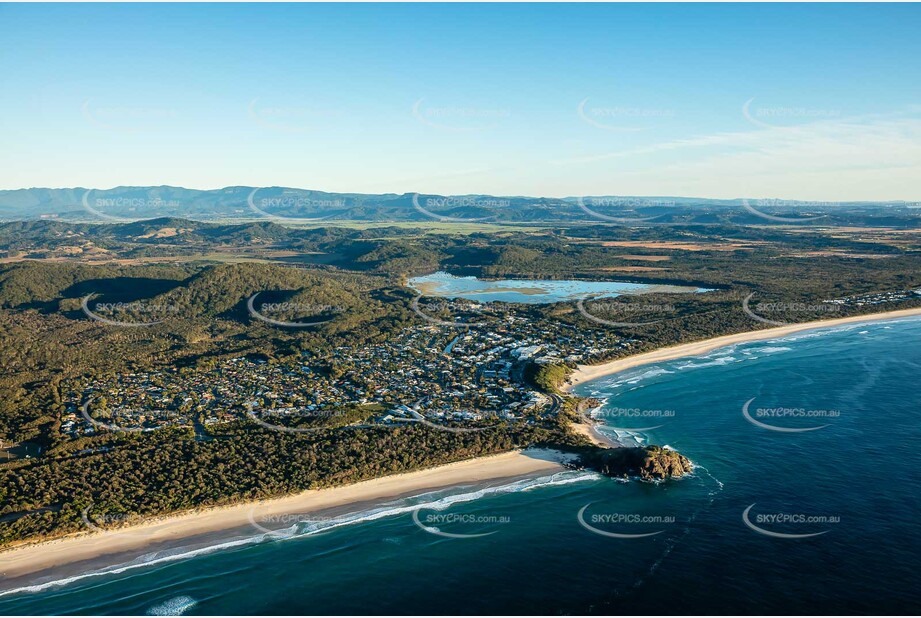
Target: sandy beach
584	373
588	430
35	559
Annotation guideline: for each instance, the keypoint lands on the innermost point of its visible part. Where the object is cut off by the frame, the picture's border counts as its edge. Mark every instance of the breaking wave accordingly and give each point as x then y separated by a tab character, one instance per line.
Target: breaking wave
438	500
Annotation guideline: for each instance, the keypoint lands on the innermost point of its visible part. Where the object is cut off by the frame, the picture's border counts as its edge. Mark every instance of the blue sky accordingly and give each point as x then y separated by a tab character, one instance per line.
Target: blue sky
811	102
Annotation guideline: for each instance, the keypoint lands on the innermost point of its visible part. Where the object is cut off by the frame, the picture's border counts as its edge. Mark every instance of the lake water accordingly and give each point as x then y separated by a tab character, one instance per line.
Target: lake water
853	483
533	291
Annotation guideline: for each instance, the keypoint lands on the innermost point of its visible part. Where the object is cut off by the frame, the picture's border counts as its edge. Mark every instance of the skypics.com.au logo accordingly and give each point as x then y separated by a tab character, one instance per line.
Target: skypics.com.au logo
439	524
759	417
127	315
173	417
786	308
591	206
294	119
108	523
621	118
618	416
260	416
291	202
619	525
758	208
459	118
315	314
286	525
425	312
455	203
787	525
785	116
630	310
146	207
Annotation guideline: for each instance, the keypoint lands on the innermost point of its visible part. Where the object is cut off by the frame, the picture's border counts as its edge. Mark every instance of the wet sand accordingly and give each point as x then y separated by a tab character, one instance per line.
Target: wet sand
584	373
93	550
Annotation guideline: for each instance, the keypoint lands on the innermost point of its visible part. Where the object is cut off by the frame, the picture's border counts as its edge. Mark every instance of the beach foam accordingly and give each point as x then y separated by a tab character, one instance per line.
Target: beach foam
174	607
436	500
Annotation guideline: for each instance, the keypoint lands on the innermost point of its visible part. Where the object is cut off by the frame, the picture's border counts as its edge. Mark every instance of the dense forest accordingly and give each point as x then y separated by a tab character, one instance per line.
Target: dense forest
169	471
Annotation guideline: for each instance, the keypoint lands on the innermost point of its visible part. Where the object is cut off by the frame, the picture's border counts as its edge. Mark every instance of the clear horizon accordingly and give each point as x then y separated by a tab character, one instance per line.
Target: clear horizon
798	102
792	201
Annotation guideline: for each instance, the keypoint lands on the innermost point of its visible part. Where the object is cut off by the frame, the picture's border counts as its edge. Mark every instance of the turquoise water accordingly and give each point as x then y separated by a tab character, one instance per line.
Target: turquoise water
530	291
860	472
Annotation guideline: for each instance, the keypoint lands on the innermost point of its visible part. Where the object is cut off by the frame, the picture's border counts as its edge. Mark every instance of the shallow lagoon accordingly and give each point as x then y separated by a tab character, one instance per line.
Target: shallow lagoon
534	291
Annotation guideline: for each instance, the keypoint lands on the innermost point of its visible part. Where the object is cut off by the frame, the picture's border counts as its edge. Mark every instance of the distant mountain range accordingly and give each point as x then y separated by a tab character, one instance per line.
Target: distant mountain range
282	204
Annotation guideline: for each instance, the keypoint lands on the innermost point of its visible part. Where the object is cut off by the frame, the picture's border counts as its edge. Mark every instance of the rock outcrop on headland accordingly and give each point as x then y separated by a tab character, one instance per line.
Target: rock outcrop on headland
649	463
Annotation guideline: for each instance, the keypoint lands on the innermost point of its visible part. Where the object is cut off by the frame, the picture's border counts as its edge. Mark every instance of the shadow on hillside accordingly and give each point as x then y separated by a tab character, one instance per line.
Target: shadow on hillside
114	290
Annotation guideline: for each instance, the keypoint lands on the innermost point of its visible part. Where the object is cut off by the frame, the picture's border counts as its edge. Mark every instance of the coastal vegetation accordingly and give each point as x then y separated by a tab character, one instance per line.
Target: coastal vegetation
547	377
169	471
352	281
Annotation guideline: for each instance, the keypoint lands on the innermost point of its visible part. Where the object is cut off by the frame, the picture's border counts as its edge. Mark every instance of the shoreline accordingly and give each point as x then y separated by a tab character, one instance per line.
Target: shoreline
586	373
90	550
588	429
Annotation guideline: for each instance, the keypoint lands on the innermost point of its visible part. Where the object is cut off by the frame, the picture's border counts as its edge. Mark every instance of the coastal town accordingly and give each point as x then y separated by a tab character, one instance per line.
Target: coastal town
467	377
877	298
466	371
463	367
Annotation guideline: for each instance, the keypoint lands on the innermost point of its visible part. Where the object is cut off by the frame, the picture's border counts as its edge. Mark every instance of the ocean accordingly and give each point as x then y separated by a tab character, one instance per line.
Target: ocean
804	500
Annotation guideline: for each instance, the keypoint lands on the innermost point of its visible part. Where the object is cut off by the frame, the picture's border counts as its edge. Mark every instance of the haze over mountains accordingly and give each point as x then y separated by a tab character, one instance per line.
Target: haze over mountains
282	204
